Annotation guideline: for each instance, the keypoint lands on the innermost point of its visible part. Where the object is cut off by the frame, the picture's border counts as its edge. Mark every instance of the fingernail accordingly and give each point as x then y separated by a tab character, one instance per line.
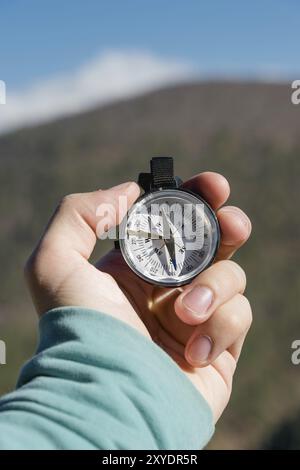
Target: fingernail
199	350
198	300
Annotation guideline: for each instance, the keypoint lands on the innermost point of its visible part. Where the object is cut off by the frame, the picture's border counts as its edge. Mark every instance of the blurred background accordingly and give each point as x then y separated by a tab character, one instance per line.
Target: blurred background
95	89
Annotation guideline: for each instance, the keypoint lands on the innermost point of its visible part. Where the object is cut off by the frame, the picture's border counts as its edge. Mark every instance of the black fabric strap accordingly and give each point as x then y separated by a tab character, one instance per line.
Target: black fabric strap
162	172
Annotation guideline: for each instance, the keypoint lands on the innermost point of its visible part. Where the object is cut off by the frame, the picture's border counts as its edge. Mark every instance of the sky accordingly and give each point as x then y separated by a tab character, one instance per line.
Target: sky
59	57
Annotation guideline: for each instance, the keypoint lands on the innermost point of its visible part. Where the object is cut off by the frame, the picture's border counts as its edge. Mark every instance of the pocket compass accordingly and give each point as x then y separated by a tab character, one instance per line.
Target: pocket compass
170	234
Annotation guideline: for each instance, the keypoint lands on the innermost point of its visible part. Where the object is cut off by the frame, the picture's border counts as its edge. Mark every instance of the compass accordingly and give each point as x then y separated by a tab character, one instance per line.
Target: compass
170	234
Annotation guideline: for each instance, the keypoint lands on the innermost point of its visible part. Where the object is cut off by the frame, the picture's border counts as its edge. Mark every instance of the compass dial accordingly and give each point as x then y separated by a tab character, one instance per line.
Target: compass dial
169	236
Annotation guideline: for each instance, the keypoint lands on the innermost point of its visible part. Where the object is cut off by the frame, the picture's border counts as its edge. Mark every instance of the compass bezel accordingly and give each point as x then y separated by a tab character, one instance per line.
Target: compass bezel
173	281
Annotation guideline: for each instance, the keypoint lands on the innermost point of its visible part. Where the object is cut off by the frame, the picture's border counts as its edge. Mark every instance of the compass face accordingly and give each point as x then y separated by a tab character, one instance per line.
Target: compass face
169	236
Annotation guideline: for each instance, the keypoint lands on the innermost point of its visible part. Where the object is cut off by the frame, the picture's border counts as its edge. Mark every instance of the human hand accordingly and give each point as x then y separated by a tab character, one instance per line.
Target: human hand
59	274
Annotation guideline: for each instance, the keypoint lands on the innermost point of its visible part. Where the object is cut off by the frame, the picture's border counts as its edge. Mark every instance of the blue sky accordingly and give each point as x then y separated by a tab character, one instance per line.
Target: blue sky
105	49
39	39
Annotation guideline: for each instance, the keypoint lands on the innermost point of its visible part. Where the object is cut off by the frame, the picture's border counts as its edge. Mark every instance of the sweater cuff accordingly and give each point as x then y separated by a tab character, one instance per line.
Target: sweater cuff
169	408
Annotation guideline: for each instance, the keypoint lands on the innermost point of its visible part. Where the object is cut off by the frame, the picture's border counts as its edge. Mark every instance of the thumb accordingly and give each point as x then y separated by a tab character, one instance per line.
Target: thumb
75	223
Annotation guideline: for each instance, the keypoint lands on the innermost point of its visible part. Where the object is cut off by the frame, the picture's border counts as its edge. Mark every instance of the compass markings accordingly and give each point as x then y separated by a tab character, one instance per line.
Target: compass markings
155	260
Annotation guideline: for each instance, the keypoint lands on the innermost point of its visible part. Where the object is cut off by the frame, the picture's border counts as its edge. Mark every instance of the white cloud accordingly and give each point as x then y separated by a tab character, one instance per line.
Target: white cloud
111	76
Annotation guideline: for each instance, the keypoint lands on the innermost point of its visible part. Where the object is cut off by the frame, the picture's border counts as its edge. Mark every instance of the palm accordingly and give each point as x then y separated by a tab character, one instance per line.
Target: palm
168	331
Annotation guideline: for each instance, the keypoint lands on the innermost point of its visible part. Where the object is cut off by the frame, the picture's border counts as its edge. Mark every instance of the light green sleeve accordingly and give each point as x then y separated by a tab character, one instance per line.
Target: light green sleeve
96	383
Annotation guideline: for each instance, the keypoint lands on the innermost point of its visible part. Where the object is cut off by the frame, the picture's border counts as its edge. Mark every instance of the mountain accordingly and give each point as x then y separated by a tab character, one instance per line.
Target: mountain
250	132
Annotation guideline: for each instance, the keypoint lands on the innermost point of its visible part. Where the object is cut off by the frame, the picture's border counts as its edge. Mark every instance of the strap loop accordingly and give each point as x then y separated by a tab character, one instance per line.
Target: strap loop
162	172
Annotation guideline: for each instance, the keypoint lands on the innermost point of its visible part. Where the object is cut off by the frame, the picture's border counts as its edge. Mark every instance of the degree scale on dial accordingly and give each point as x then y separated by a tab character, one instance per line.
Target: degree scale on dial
154	252
168	257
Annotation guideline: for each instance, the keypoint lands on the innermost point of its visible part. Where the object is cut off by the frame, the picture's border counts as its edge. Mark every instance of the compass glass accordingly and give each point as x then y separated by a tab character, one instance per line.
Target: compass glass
169	236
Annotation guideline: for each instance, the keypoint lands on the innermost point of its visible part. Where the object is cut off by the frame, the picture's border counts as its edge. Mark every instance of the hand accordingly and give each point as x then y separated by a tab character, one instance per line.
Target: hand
203	334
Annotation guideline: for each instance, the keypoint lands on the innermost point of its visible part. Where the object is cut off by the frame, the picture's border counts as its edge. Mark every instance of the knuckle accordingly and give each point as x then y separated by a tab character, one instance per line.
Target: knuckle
236	323
242	317
237	271
247	312
69	200
224	277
